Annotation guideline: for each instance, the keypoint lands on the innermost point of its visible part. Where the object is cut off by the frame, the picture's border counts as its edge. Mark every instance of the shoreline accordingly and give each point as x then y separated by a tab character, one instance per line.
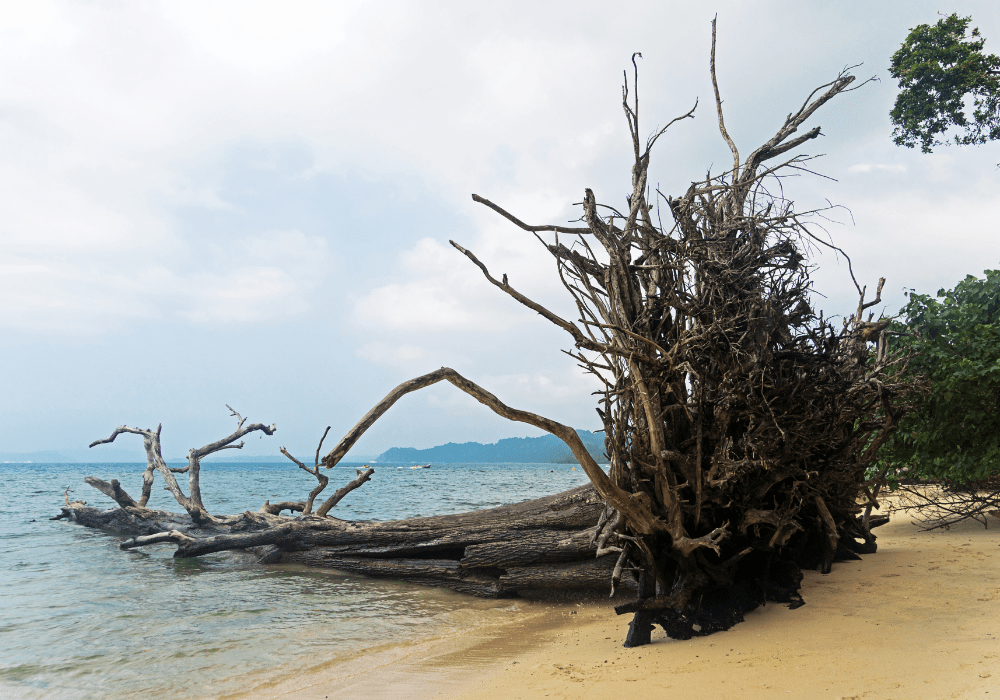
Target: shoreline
453	659
915	620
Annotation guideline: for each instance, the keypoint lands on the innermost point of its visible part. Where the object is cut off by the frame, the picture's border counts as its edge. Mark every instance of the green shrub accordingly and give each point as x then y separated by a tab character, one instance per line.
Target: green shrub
954	433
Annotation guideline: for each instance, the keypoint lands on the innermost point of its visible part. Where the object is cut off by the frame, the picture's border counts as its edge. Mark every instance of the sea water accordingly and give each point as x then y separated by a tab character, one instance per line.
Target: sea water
80	618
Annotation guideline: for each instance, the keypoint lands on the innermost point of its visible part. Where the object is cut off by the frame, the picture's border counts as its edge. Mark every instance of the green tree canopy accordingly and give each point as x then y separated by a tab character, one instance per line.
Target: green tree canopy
955	432
943	74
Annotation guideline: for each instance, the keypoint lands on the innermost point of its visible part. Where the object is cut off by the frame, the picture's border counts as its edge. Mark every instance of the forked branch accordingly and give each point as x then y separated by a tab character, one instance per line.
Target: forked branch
634	506
155	463
315	471
718	109
337	497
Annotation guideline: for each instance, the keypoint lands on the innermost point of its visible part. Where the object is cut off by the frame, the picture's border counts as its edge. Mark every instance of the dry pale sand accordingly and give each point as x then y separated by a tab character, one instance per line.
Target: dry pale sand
919	619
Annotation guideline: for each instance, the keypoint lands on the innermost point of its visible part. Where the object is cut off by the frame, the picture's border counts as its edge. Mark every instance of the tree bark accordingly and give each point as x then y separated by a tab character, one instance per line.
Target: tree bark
545	543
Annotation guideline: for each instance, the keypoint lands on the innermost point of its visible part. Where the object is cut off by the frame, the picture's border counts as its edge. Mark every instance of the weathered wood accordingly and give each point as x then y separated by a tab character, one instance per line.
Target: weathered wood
531	547
635	505
445	573
277	508
593	573
543	543
112	490
155	463
338	496
640	629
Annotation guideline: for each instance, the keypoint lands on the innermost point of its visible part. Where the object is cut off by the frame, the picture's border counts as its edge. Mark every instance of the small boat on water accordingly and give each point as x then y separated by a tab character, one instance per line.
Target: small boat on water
421	466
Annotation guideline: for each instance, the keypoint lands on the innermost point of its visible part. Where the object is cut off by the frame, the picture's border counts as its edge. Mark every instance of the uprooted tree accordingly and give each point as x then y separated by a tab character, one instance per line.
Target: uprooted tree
739	423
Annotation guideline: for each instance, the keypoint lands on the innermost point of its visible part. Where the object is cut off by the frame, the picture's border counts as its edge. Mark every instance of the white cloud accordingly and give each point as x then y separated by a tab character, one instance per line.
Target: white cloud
446	292
62	298
268	276
271	276
244	295
877	167
914	241
396	355
542	388
537	392
424	306
107	110
307	256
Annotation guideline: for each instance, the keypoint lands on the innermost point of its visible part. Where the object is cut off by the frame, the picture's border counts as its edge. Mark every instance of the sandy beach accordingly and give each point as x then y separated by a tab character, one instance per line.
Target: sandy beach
919	619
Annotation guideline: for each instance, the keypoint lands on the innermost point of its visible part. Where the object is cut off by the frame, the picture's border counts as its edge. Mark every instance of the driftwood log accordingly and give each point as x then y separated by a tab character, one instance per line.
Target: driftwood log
549	543
741	426
546	543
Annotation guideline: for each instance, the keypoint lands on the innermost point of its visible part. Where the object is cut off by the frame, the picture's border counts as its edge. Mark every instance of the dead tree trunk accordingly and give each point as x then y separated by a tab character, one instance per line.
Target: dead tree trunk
547	543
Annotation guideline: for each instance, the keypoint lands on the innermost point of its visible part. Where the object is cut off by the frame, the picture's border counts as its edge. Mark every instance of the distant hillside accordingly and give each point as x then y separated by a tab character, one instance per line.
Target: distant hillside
547	448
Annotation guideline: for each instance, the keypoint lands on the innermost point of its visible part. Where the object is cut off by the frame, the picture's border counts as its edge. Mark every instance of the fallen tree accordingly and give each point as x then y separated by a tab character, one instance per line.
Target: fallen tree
740	424
545	543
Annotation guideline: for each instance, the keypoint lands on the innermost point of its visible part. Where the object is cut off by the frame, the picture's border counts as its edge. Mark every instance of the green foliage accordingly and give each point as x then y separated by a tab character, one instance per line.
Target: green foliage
954	434
941	70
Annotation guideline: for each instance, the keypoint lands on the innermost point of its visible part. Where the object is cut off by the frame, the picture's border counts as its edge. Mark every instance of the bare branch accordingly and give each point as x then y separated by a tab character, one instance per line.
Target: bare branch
339	494
112	490
718	109
240	419
118	431
578	336
225	442
520	224
195	455
301	464
652	139
321	478
173	536
155	462
276	508
320	446
634	506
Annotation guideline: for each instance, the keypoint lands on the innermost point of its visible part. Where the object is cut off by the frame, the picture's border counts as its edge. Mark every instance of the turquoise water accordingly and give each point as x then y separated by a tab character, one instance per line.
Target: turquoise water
80	618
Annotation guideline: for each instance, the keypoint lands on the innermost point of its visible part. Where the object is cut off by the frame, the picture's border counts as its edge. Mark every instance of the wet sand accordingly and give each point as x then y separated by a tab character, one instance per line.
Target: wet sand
919	619
476	641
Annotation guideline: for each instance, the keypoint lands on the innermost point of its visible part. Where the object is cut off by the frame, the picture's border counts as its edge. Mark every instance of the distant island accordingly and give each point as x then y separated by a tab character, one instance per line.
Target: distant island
544	449
547	449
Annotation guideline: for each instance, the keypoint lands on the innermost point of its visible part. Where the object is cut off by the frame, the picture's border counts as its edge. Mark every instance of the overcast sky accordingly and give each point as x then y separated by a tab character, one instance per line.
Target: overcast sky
250	203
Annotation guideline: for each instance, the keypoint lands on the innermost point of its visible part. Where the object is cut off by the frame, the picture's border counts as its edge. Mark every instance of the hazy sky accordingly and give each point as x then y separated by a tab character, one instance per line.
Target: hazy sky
250	202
